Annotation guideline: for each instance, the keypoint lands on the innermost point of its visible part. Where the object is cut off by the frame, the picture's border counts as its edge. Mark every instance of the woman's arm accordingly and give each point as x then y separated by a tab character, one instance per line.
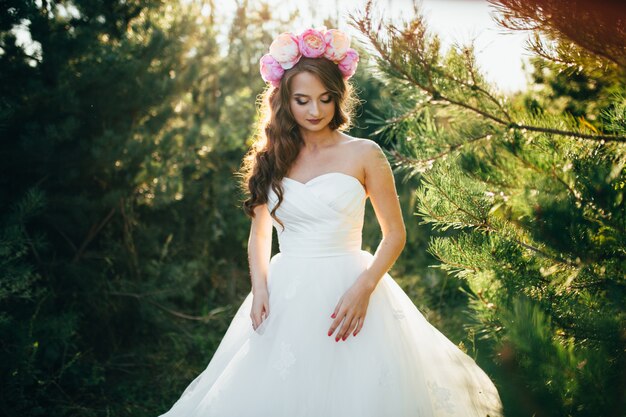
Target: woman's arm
352	306
259	252
260	247
383	195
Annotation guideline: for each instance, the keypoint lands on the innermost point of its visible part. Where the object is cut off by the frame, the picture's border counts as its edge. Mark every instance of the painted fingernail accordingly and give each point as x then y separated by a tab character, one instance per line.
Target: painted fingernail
345	337
336	339
330	332
333	316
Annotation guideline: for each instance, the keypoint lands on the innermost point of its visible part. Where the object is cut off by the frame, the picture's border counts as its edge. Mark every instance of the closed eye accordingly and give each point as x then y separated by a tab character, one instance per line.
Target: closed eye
302	103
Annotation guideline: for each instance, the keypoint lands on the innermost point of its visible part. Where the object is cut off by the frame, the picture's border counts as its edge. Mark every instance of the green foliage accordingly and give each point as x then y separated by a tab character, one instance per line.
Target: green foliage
528	200
122	262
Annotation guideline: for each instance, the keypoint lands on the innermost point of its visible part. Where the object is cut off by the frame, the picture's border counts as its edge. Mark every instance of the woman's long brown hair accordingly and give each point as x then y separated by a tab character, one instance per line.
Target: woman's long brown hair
277	139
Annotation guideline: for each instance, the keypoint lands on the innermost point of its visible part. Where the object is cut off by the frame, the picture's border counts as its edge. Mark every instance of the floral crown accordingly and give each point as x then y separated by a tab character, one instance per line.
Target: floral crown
287	49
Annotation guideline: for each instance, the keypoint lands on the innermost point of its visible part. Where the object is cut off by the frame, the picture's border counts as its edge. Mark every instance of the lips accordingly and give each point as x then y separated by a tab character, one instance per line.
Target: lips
314	121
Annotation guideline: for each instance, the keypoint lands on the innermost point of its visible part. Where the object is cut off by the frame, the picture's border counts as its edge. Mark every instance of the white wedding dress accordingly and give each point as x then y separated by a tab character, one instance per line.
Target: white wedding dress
398	365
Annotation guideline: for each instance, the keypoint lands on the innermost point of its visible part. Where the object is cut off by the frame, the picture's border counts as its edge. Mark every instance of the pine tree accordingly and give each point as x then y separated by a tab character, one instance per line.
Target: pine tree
112	214
529	204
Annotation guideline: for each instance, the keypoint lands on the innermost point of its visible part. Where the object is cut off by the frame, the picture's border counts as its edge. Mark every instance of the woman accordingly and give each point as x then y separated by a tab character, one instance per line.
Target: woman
325	330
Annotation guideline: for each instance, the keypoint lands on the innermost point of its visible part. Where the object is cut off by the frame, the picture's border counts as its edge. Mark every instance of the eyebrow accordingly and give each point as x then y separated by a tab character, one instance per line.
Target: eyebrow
304	95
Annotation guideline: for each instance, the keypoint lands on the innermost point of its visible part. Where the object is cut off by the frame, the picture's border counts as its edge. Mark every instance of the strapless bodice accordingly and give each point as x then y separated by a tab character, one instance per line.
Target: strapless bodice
322	217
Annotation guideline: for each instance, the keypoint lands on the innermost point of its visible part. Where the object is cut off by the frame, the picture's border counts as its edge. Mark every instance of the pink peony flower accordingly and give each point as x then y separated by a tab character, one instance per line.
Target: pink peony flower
348	64
337	44
285	50
271	70
312	43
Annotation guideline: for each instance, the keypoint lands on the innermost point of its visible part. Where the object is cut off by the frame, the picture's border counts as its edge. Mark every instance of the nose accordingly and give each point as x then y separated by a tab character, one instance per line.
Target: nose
314	110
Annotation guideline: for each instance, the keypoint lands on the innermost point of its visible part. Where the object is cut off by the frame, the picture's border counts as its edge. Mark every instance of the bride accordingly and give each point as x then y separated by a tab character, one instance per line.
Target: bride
325	330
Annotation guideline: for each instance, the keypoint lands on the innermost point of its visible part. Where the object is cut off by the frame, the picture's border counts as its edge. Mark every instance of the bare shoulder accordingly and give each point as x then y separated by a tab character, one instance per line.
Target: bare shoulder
367	159
363	147
376	167
368	151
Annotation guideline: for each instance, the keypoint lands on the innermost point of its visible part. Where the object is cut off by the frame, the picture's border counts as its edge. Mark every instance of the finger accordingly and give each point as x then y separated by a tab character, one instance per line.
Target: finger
257	319
337	307
351	327
346	324
336	322
360	325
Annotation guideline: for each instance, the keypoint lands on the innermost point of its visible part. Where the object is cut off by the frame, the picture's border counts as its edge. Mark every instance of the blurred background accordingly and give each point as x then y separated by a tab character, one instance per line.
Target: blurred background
122	239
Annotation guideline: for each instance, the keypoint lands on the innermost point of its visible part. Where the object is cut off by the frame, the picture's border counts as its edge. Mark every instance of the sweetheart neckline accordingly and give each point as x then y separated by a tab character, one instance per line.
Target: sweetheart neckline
304	184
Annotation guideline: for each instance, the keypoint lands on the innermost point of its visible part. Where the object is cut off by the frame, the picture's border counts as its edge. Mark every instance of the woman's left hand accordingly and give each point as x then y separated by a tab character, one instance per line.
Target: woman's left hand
352	306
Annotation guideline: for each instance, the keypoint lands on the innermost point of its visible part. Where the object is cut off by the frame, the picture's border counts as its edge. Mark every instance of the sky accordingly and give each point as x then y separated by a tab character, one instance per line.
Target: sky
499	53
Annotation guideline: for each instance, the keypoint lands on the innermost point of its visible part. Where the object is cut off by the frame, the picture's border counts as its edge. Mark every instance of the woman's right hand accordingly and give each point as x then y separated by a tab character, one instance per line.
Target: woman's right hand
260	307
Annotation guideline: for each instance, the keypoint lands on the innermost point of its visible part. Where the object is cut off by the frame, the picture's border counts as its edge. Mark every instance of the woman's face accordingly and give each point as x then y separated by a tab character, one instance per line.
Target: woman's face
310	101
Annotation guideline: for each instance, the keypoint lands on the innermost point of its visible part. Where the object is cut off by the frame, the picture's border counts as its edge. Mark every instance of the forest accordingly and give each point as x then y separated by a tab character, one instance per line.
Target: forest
123	242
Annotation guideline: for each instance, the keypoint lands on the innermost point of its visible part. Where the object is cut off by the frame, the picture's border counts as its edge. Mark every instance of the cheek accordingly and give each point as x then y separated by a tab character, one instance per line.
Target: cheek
329	110
297	110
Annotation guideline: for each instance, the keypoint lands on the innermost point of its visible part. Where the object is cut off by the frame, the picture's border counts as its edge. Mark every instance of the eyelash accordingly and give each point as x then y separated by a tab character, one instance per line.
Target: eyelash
323	101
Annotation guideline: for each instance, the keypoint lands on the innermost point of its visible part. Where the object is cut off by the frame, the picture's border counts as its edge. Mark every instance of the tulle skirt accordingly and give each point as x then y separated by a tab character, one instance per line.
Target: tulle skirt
398	365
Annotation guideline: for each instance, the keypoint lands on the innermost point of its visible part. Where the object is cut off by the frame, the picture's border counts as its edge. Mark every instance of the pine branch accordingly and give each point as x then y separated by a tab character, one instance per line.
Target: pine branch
93	232
551	173
605	138
486	226
364	26
481	223
420	163
474	86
